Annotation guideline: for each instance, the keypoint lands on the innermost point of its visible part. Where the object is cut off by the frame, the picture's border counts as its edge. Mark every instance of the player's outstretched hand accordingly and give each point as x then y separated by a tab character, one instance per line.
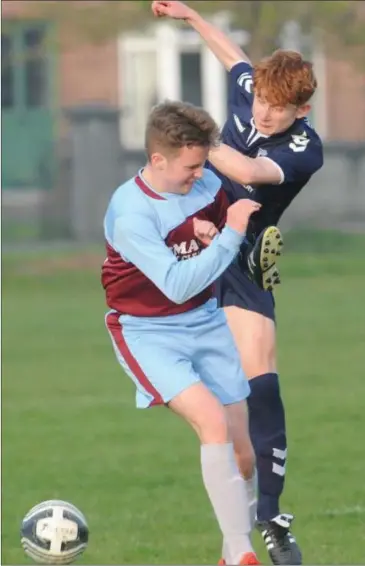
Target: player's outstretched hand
204	230
171	9
238	214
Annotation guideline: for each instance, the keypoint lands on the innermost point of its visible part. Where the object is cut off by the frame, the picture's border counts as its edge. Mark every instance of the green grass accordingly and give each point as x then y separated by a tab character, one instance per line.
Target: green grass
70	429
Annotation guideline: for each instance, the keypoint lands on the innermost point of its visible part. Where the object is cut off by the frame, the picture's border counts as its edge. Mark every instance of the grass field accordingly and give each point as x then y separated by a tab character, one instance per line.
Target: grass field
70	429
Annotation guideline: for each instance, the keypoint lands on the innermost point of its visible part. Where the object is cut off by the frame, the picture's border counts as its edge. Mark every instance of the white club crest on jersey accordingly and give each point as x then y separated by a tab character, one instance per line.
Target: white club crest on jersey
261	152
299	142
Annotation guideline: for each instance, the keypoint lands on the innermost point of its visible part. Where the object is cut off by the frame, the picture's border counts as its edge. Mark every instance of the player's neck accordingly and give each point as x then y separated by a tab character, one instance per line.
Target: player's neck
154	180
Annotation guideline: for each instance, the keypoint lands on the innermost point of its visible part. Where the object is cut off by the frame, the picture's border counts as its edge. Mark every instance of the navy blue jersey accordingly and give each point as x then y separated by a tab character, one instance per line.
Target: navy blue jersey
297	151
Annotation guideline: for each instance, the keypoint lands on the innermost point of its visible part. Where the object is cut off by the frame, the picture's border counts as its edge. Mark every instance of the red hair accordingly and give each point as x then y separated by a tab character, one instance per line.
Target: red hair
284	78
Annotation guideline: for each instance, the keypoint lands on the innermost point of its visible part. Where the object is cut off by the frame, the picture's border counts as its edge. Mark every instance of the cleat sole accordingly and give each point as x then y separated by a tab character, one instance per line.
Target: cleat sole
273	248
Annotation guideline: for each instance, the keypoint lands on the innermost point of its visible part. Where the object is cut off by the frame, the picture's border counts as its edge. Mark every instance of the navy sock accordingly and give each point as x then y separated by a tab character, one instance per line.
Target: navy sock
268	435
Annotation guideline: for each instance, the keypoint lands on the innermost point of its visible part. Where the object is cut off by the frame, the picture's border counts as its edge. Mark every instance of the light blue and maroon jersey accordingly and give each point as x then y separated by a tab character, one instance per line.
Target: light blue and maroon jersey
148	234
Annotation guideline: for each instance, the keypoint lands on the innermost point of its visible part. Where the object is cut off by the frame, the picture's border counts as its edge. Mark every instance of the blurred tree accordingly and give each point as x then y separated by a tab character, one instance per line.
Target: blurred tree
94	21
340	24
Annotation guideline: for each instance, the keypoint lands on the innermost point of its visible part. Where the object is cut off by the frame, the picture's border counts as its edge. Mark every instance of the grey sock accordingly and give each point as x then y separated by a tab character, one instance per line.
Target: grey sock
227	493
251	488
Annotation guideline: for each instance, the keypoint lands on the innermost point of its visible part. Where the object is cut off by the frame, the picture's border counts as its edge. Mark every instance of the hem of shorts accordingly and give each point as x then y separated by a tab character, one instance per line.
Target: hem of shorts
165	402
243	398
222	305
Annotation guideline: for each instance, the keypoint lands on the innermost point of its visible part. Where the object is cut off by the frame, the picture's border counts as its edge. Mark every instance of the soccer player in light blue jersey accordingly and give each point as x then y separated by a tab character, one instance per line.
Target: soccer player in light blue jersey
166	330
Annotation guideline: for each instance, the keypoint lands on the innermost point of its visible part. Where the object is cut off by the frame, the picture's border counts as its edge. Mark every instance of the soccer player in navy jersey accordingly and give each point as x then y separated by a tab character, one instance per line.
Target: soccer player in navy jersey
166	329
269	153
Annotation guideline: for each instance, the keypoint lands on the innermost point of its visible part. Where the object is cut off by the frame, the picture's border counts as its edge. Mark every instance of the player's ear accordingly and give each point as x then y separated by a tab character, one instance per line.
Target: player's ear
303	110
158	160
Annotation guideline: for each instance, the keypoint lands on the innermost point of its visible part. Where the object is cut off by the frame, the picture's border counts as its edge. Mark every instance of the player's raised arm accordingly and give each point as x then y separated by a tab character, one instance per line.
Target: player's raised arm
242	169
138	241
301	157
228	52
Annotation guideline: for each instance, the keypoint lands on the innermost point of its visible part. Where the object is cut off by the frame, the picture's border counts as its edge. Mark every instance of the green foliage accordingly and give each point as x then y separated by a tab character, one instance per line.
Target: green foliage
340	24
95	22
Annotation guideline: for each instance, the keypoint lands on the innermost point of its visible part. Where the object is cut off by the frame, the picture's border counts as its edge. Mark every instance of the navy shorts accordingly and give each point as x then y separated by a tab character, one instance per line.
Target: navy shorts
234	288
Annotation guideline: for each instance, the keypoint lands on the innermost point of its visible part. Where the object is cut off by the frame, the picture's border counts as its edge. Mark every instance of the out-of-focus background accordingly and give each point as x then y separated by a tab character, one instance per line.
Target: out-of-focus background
78	81
79	78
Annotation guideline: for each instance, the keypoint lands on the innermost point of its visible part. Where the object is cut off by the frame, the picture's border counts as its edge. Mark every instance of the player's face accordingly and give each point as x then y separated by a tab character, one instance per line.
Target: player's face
271	120
182	169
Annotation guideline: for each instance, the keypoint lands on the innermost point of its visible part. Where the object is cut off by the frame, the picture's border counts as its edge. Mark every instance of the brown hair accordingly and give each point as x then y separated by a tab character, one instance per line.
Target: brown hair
284	78
173	125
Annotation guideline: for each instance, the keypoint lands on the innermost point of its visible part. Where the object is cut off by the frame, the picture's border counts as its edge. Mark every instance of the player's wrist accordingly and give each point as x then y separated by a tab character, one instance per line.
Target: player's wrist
236	227
231	238
193	18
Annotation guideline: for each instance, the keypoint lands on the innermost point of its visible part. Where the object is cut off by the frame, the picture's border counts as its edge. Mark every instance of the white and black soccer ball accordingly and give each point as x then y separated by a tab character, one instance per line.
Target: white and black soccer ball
54	532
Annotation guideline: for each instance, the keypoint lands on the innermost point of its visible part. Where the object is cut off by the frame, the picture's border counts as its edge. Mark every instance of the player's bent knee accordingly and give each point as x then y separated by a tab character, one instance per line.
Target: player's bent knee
205	414
254	335
213	432
262	360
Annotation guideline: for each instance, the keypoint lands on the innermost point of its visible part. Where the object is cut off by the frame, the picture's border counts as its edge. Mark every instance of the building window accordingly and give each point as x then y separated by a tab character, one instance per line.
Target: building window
7	72
35	68
191	83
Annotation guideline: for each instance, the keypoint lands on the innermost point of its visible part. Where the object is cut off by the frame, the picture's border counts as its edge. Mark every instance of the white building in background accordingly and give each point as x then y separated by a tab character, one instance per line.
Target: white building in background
169	62
133	72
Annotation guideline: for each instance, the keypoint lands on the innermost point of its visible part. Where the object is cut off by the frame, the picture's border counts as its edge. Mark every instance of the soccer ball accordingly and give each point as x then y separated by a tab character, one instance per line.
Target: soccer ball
54	532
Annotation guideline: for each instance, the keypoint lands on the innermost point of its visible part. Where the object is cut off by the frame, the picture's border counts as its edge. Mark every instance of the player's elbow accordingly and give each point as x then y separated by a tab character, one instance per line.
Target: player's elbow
178	282
174	287
263	170
251	179
176	297
179	299
247	174
178	293
174	292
